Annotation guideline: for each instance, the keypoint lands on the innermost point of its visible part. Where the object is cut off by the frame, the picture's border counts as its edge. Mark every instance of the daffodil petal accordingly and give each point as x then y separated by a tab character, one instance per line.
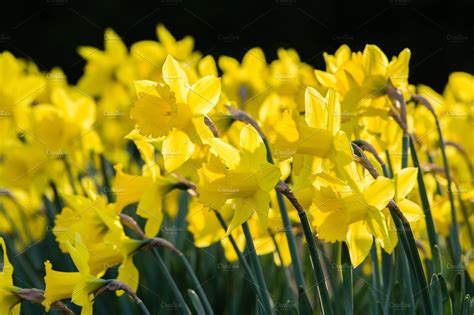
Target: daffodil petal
325	78
176	78
207	66
405	179
252	143
268	176
375	62
379	192
242	213
315	108
177	148
377	225
204	95
79	254
150	207
359	242
128	274
411	210
229	155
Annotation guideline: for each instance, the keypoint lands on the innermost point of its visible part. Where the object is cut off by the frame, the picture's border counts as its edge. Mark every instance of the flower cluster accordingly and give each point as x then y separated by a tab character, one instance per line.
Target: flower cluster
352	157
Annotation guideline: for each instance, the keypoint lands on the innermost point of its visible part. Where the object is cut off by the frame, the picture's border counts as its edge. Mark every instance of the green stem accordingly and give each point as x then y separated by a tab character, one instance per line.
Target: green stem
295	260
411	251
318	274
197	284
290	237
241	257
454	233
405	145
143	308
432	235
171	282
376	275
454	227
347	279
257	268
326	307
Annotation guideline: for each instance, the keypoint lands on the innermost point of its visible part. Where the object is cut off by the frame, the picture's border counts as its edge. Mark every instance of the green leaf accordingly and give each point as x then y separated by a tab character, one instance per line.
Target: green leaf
447	306
436	295
196	302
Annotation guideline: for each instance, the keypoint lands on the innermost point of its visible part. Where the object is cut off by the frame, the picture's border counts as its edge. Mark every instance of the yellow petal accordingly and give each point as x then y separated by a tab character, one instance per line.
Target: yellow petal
59	285
315	108
175	77
331	225
411	210
165	36
150	207
284	250
374	60
83	298
204	95
128	274
260	203
79	254
326	79
229	155
359	241
177	149
114	44
242	213
207	66
379	192
143	87
127	188
334	112
268	176
405	179
6	275
252	145
377	225
398	68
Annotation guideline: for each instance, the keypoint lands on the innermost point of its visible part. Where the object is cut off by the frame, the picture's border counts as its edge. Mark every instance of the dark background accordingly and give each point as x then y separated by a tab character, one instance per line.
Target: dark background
439	33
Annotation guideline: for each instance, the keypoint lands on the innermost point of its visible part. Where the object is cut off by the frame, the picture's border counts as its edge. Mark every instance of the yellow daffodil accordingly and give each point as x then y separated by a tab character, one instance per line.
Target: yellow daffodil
147	189
175	111
354	214
242	175
79	286
103	68
9	301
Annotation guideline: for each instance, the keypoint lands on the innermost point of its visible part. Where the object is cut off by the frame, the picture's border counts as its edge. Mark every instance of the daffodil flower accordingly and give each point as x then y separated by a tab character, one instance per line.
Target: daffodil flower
9	301
100	229
104	68
80	286
147	189
245	83
321	142
242	176
175	111
355	214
